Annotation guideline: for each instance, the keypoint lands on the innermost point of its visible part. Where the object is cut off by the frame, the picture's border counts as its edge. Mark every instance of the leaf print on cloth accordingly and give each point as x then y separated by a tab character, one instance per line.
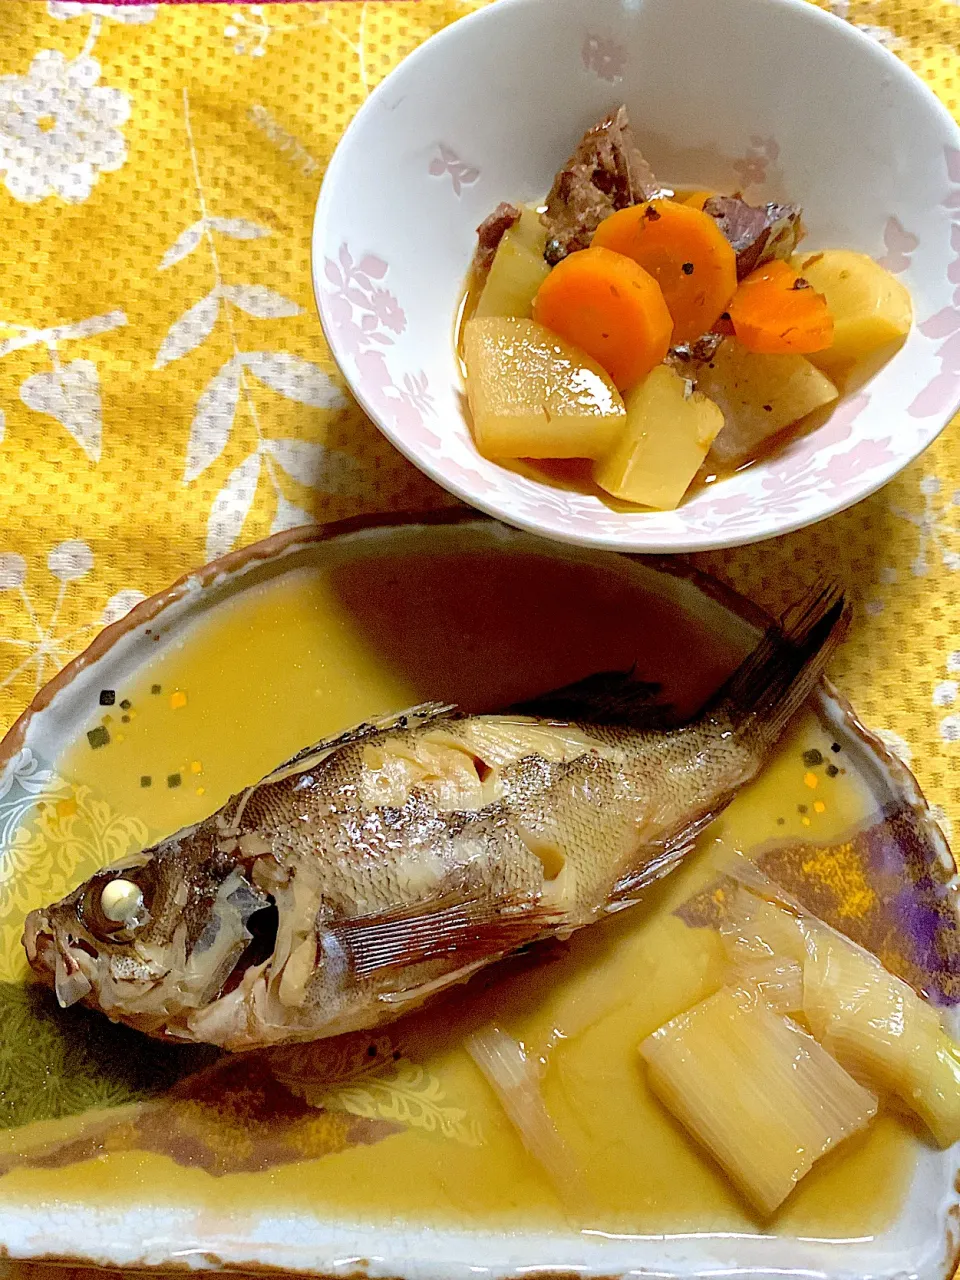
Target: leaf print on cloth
187	241
47	645
405	1094
59	129
133	14
69	392
316	466
232	506
216	408
937	532
248	30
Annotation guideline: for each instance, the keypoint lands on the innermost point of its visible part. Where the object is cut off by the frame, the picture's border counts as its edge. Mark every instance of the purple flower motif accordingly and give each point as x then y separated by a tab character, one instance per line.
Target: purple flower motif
387	310
359	312
448	162
605	58
899	244
847	468
417	393
751	169
768	146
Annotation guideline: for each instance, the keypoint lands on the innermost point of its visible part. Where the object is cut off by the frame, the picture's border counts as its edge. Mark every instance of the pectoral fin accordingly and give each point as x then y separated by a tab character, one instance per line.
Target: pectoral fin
469	929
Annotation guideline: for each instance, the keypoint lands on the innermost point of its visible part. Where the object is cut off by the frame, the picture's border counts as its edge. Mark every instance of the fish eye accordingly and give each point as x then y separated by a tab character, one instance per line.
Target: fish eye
114	907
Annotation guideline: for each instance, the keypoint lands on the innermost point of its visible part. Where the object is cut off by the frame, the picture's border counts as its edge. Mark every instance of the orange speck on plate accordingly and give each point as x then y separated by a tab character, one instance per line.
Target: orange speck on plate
810	780
196	766
66	808
819	806
805	821
178	699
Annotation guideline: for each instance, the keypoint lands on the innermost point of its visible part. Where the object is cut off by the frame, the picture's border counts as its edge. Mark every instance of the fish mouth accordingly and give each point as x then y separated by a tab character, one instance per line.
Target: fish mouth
54	962
40	943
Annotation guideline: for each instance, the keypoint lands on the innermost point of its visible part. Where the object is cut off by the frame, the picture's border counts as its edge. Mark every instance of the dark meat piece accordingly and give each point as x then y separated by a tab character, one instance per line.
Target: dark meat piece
758	235
491	231
686	356
606	172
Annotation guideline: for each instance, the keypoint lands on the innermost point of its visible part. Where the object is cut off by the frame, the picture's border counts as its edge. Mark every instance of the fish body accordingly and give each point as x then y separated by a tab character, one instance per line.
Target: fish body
376	869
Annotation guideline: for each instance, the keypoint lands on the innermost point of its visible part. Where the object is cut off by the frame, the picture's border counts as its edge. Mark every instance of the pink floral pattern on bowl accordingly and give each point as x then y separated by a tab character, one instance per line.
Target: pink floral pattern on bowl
943	391
448	162
899	244
365	318
605	58
751	168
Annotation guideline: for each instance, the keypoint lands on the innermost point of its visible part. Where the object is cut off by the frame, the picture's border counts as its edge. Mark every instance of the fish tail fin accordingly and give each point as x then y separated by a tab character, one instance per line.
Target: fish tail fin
776	678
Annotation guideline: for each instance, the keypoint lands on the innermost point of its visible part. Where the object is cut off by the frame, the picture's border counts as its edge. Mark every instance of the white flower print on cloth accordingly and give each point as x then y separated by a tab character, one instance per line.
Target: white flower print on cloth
59	129
137	13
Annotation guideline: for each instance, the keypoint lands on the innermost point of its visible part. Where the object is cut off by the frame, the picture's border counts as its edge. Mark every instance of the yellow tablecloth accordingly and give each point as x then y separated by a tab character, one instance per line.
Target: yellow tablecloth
113	345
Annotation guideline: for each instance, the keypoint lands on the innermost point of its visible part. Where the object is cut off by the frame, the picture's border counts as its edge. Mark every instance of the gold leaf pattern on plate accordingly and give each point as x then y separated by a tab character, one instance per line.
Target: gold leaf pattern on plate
405	1093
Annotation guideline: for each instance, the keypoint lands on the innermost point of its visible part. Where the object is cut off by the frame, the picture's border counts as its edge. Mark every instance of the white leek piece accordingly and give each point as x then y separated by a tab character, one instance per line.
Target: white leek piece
777	981
881	1030
762	1096
754	929
515	1080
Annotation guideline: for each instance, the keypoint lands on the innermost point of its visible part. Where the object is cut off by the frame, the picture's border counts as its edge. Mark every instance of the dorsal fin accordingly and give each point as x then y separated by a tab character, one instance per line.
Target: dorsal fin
309	757
606	697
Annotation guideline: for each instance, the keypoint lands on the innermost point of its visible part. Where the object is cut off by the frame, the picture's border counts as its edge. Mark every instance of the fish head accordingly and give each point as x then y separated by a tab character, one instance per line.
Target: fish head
156	936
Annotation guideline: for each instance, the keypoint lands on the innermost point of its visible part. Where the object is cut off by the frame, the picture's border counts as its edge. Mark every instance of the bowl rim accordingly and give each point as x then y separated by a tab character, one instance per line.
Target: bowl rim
684	541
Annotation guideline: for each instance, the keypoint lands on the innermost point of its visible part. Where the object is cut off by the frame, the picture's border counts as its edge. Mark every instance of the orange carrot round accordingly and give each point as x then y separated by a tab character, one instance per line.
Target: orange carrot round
685	252
609	307
697	199
775	311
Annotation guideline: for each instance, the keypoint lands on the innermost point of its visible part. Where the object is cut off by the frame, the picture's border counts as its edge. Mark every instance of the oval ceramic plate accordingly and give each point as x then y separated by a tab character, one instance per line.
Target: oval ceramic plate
387	1155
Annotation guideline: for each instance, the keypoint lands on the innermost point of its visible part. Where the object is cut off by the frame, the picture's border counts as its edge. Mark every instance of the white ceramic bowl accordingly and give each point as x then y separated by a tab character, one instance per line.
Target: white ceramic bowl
774	97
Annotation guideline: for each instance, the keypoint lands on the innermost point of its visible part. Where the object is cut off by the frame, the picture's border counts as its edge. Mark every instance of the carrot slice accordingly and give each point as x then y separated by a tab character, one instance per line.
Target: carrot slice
685	252
698	199
774	311
609	307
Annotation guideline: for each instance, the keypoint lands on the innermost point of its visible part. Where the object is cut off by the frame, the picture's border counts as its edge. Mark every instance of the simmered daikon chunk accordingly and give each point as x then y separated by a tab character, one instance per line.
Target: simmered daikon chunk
515	275
881	1030
759	395
669	430
532	395
762	1096
870	307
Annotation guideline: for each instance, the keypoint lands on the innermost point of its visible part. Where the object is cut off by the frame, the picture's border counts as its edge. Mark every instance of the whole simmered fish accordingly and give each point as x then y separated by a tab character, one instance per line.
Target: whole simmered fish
374	870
